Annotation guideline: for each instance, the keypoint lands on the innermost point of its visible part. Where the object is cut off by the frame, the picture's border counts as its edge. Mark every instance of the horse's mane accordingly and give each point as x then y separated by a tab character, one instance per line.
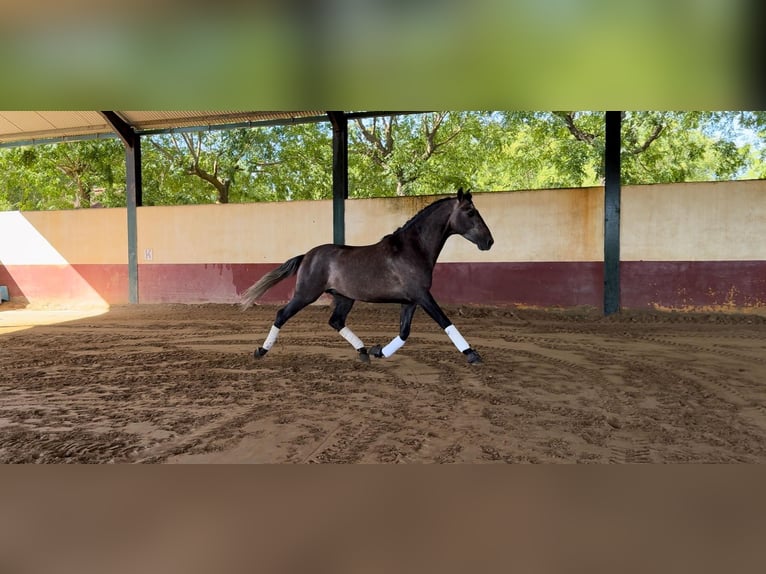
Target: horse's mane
423	213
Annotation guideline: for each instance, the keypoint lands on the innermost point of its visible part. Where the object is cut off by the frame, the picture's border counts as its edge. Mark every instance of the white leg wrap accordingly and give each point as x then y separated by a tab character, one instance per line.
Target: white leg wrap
392	347
348	334
457	338
272	338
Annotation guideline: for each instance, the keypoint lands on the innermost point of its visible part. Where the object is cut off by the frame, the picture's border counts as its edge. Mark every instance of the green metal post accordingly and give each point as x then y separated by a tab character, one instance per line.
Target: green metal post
339	123
612	145
133	180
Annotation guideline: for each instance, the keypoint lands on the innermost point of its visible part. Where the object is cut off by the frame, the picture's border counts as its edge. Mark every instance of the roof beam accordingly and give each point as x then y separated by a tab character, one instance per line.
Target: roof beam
124	130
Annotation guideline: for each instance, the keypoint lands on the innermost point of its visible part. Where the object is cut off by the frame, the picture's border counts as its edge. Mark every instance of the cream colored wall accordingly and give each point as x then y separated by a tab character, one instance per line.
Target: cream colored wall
84	236
694	222
232	233
548	225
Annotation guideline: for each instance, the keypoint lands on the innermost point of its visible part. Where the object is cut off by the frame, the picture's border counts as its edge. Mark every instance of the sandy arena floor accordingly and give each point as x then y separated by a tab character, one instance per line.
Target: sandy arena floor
178	384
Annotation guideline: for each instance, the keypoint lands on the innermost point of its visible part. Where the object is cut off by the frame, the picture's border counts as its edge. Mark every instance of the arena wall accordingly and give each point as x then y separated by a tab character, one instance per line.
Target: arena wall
694	245
683	246
211	253
64	258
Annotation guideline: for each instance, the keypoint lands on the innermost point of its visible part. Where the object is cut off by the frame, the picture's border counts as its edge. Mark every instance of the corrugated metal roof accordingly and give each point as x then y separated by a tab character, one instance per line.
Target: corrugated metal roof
26	125
34	126
145	120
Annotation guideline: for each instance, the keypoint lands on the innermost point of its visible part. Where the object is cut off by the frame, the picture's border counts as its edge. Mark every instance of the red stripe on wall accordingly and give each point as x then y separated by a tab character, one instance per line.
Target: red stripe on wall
645	284
66	284
686	284
7	279
539	284
109	281
544	284
206	283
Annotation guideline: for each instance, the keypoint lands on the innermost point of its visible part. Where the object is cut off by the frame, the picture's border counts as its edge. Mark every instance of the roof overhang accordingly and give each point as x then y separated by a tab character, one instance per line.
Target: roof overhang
34	127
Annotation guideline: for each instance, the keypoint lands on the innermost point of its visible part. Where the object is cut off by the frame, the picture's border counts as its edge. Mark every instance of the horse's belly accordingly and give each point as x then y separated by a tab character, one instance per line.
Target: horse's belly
360	274
374	293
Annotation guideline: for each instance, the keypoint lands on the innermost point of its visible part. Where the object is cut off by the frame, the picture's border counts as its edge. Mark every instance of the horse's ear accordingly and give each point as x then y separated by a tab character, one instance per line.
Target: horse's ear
460	194
467	195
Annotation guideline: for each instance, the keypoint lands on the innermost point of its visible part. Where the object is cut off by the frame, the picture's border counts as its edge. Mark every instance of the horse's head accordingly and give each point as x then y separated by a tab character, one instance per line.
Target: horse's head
467	221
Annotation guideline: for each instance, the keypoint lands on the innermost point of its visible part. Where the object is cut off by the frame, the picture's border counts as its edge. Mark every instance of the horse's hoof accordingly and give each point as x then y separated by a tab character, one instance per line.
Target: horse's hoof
473	356
260	352
377	351
364	356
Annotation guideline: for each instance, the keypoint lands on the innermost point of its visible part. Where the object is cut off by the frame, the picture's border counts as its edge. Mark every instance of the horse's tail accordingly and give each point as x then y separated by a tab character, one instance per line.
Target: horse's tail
289	267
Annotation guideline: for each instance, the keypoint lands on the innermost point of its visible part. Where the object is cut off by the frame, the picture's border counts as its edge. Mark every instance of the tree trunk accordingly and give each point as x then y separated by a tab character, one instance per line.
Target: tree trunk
223	191
82	196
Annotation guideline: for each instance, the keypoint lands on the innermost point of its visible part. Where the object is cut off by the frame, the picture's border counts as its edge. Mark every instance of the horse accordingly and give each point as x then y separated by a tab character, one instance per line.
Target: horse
396	269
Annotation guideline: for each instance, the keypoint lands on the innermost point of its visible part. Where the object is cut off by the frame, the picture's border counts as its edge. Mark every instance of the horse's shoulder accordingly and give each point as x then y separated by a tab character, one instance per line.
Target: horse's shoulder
394	241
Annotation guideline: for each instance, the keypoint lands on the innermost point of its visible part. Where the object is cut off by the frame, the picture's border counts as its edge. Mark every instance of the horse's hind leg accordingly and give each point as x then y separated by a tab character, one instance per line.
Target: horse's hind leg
283	315
338	322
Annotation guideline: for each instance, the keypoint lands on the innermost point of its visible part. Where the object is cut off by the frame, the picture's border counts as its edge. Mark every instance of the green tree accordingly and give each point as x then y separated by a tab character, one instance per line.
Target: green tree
247	164
63	176
213	157
399	154
533	150
296	164
755	140
662	147
410	154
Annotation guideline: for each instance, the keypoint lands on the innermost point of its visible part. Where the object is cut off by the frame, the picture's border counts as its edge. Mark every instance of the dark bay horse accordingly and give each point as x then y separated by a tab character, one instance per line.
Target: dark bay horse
397	269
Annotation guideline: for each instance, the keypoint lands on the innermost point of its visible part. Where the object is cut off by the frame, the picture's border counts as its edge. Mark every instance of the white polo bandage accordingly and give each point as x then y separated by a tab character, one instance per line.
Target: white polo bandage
348	334
272	338
392	347
457	338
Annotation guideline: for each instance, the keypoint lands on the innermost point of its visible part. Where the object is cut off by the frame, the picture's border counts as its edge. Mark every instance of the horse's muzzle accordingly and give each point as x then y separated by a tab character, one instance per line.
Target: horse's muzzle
482	240
485	244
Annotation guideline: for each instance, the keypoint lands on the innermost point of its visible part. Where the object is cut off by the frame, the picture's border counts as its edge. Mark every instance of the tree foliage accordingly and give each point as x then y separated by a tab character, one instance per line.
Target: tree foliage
64	176
409	154
396	154
240	165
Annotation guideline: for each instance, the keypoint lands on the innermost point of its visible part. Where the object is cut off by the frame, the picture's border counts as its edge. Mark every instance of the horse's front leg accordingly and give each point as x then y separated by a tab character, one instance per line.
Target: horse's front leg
431	307
405	320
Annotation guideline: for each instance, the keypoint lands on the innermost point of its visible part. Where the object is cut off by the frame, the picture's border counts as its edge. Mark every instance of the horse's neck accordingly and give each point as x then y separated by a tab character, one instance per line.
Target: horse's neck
429	235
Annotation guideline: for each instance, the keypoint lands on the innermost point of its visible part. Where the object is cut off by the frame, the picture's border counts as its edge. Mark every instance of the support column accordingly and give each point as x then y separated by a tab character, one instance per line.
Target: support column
135	192
339	123
134	188
612	146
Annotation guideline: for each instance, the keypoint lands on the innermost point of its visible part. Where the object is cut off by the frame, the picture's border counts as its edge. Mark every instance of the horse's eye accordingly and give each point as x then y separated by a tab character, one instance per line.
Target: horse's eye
471	212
